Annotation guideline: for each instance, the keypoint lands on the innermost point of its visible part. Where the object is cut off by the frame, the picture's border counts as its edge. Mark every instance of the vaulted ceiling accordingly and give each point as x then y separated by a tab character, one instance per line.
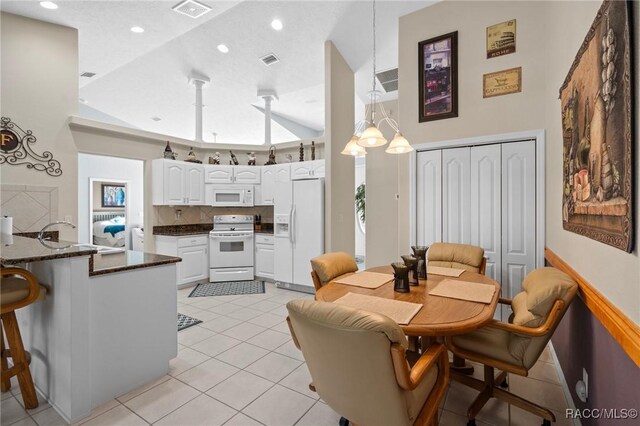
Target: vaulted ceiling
146	75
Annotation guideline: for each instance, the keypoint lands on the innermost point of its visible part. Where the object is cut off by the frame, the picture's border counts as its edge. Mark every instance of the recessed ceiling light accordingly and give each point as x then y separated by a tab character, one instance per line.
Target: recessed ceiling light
83	101
48	5
223	48
137	29
276	24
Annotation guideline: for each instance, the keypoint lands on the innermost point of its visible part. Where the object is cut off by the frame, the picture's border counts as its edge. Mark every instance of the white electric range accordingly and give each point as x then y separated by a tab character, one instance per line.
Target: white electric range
231	248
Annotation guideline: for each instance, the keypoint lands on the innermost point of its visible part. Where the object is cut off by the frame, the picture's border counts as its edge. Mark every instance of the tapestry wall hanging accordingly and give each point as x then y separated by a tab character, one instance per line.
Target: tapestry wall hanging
597	120
17	150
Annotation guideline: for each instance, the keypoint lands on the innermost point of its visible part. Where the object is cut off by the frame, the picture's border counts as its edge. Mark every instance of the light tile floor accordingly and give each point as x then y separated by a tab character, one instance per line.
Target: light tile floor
240	367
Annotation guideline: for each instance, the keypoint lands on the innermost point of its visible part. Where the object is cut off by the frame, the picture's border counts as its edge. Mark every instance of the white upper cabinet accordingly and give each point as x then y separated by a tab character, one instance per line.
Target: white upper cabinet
218	174
267	186
194	184
282	172
246	174
232	174
307	170
177	183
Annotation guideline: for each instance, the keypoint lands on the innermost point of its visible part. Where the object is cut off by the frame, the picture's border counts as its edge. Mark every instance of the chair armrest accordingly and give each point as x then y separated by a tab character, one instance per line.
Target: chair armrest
504	301
550	322
293	334
409	379
34	287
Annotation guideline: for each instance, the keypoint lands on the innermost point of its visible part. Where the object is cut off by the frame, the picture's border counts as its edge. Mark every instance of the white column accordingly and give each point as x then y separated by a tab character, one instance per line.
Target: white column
267	120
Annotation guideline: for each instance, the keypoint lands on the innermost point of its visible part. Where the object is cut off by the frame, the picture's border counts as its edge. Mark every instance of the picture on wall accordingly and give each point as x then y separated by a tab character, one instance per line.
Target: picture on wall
502	82
597	120
438	77
501	39
113	195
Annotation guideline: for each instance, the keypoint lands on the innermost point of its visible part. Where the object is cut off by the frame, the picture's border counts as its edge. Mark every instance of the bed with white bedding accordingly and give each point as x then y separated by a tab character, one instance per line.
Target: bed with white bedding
109	232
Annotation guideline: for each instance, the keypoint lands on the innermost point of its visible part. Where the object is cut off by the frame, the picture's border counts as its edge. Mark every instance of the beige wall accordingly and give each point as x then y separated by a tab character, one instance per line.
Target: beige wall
383	243
548	37
340	169
39	91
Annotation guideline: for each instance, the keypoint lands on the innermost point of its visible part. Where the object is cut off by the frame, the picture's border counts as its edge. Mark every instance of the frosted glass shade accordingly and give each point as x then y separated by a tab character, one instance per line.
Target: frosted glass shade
399	145
371	138
352	148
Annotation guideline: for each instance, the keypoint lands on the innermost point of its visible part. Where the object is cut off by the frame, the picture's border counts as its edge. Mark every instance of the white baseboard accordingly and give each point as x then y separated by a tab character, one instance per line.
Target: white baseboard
563	382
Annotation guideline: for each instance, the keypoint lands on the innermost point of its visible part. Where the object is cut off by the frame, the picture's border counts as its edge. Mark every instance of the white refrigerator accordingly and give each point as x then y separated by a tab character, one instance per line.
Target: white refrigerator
299	231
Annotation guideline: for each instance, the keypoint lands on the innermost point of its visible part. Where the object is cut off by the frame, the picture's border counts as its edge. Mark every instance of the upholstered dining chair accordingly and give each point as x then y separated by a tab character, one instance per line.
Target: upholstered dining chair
515	346
330	266
18	288
460	256
358	364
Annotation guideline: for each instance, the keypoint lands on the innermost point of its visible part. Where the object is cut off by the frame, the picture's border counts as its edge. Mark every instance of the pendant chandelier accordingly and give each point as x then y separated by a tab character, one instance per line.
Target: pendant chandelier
367	134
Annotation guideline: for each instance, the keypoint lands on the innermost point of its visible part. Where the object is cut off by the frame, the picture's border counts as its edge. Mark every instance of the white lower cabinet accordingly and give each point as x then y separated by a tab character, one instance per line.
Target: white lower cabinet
194	251
264	256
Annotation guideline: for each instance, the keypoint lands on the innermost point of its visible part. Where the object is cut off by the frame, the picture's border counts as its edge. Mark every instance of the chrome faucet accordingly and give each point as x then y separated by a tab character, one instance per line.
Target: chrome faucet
49	225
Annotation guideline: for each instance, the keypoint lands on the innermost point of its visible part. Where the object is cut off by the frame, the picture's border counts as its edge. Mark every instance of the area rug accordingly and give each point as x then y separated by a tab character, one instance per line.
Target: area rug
186	321
228	288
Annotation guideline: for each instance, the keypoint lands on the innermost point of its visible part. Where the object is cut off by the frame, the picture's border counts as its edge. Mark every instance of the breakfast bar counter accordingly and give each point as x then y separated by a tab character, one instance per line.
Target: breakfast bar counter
106	326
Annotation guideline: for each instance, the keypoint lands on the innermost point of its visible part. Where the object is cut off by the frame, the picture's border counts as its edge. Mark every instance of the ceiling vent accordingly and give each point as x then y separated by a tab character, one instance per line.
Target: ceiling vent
388	80
191	8
87	74
269	59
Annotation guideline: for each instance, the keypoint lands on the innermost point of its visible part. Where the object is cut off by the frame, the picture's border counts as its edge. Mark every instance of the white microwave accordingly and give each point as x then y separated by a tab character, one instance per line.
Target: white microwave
228	195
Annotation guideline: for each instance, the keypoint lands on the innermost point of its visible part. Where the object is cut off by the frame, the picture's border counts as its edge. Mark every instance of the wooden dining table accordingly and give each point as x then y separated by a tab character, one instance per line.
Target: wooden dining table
439	316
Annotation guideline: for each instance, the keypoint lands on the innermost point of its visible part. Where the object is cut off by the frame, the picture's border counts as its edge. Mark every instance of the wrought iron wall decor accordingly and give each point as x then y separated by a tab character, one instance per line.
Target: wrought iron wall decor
16	149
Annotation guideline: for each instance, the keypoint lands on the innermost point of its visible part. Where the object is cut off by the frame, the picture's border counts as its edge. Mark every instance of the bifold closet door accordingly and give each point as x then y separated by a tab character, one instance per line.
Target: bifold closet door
518	214
486	201
429	197
456	195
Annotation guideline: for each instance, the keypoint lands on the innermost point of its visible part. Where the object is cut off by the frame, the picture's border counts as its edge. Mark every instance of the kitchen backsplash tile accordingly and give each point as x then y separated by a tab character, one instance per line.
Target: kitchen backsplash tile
168	215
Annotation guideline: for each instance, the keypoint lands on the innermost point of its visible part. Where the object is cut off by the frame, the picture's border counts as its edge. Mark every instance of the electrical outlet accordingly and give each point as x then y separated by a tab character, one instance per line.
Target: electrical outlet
582	386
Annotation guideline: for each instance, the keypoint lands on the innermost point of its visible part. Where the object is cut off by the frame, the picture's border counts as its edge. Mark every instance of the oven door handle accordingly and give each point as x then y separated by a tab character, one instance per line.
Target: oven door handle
231	237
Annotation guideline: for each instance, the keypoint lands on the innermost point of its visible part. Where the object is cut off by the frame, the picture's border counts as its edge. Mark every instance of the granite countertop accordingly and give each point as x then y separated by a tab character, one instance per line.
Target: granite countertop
16	249
198	229
102	264
183	230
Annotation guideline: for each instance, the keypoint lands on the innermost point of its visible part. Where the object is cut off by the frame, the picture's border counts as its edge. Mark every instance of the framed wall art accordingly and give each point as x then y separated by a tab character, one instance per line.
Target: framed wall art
597	124
501	39
438	77
113	195
502	82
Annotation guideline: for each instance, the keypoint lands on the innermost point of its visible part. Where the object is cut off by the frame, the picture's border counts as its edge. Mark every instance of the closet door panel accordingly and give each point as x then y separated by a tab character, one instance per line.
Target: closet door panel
429	197
518	214
485	208
456	191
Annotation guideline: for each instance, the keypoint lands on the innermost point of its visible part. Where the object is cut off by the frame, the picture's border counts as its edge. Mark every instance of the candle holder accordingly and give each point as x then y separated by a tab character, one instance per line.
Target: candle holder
412	263
401	277
420	252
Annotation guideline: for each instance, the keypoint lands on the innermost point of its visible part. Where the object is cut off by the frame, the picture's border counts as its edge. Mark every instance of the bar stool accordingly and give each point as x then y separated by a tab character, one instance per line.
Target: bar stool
18	288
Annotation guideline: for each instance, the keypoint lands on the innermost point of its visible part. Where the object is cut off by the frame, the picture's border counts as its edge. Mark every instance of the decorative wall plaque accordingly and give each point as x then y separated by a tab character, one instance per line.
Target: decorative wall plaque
502	82
501	39
16	149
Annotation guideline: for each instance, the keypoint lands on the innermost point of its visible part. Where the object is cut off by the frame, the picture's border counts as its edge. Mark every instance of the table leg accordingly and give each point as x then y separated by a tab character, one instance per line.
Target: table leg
459	364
